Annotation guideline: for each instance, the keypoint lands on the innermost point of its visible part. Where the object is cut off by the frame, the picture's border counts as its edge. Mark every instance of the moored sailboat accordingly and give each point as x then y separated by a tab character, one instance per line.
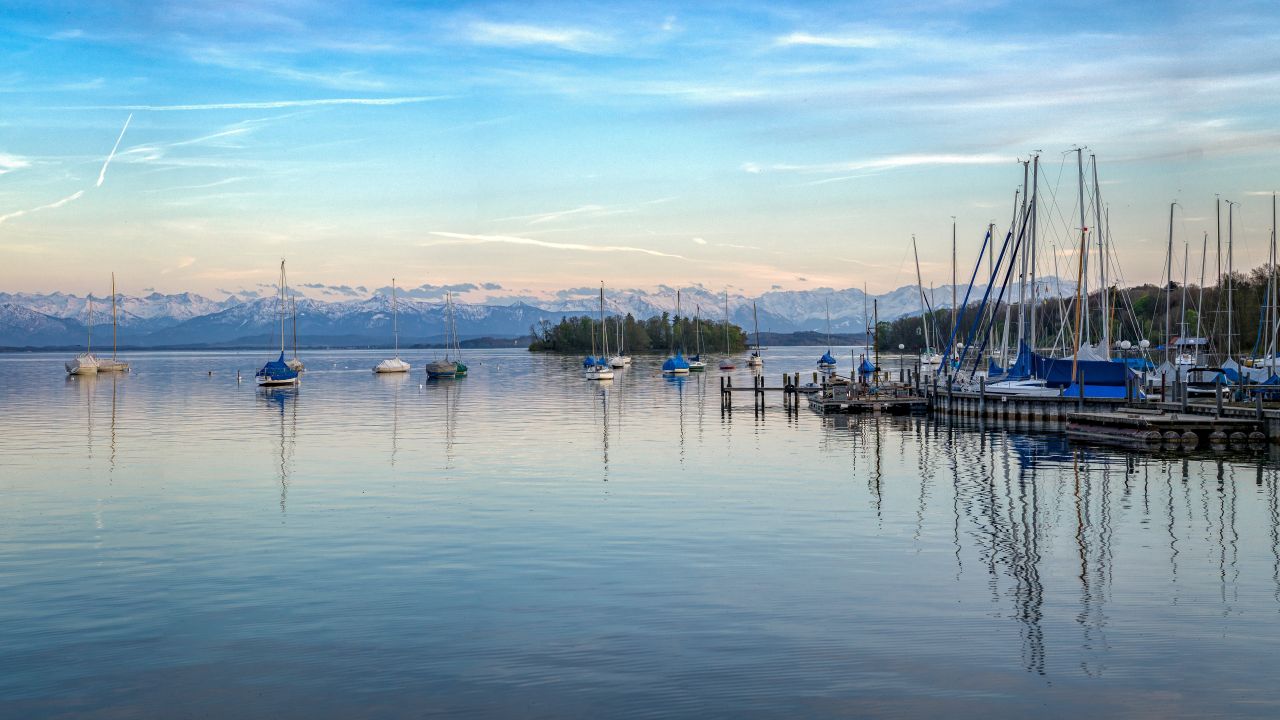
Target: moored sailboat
113	364
827	363
600	370
395	364
696	363
727	362
676	364
84	363
277	372
757	358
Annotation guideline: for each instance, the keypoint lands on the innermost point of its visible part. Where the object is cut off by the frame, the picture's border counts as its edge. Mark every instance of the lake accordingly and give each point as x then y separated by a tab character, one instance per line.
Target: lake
524	543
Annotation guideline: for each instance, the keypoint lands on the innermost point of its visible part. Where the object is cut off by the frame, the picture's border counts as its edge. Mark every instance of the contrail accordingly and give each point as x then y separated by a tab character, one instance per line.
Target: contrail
57	204
267	105
102	174
510	240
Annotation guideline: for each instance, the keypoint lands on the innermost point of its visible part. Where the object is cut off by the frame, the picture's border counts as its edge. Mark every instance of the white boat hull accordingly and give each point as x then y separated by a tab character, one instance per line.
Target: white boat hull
726	365
83	364
1024	388
697	366
295	365
112	366
394	365
599	373
619	361
268	382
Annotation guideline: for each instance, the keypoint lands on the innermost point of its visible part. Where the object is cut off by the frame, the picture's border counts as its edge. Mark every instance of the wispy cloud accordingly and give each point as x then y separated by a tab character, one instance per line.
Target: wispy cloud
583	211
269	104
9	163
467	239
894	162
518	35
868	39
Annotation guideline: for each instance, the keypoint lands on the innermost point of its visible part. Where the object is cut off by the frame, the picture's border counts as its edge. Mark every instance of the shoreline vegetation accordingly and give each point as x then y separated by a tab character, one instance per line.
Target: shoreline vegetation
657	334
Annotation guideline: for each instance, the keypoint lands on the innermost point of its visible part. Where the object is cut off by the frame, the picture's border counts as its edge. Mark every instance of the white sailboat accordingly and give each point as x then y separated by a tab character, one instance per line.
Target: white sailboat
113	365
600	371
395	364
727	362
929	358
84	363
622	359
756	359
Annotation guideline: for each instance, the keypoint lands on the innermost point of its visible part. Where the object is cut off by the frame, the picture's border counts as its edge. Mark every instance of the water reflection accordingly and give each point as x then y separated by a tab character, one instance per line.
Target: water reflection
283	404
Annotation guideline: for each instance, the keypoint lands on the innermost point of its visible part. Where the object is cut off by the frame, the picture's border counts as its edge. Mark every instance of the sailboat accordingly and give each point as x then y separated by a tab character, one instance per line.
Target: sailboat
727	362
756	359
676	364
84	363
696	363
113	365
446	368
395	364
621	359
277	372
600	369
827	363
460	368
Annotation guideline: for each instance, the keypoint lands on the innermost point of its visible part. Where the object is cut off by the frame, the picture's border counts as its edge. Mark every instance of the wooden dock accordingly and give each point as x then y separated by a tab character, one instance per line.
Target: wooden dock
1142	426
832	395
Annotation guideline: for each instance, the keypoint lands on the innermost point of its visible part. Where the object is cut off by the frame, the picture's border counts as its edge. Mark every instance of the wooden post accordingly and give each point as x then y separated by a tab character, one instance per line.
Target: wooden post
1217	394
1257	407
1182	395
1163	397
982	397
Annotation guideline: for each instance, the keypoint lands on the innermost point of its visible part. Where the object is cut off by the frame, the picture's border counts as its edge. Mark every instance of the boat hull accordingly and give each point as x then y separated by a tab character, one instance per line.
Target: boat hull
112	366
395	365
600	373
271	382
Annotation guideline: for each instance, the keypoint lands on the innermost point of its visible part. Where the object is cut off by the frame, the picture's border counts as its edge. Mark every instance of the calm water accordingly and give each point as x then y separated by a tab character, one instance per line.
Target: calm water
523	543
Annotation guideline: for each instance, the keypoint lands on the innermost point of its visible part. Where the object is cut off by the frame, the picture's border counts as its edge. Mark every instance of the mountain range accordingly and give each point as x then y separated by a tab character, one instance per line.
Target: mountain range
35	320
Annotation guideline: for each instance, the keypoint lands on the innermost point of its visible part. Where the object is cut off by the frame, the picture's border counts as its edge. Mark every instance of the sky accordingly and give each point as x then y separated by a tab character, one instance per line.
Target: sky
527	147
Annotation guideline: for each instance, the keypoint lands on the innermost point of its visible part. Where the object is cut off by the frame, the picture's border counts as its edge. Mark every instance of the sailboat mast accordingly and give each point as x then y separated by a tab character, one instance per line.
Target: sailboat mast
1275	287
726	322
1204	252
88	348
113	316
1035	209
604	334
955	310
755	321
697	326
1168	289
1008	307
281	307
828	304
395	318
1186	253
924	312
1231	206
677	325
1102	261
1084	248
1022	270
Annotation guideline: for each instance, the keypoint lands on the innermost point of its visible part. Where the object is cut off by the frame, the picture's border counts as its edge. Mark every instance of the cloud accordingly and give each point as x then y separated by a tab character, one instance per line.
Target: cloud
102	174
865	40
491	286
9	163
894	162
183	262
466	239
428	291
584	211
751	167
268	104
517	35
700	241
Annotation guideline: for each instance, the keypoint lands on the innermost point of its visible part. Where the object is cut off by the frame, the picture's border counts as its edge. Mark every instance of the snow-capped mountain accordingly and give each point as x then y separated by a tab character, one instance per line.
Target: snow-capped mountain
185	319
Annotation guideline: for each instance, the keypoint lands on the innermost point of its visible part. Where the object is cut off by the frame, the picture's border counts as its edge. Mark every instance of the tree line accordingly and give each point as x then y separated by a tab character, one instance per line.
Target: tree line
1135	314
657	334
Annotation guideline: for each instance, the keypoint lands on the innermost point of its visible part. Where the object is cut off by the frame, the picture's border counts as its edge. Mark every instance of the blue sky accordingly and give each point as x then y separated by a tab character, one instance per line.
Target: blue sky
546	145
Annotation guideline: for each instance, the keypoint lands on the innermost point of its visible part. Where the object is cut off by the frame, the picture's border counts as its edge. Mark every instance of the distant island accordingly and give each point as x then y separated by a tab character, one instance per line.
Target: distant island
659	333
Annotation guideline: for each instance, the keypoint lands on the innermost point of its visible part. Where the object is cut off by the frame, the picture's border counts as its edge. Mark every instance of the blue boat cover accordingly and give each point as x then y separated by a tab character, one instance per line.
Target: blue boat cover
1097	391
826	359
994	370
866	368
1136	363
588	361
1056	372
675	362
277	370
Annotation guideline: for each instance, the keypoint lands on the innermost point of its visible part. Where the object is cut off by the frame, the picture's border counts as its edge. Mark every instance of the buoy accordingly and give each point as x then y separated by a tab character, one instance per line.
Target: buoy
1256	436
1172	436
1190	438
1218	436
1238	437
